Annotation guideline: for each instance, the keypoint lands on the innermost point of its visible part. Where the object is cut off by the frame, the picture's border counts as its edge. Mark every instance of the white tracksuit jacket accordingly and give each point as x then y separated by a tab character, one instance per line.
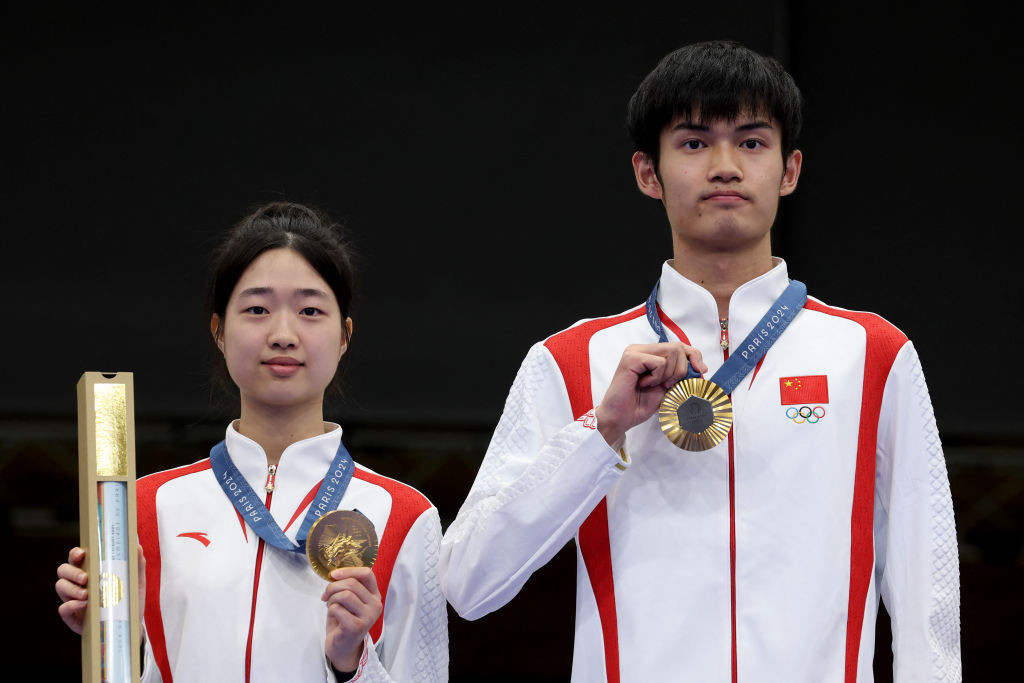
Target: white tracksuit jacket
762	559
222	605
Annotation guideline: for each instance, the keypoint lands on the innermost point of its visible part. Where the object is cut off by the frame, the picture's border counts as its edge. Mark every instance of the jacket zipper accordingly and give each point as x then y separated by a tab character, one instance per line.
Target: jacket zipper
732	557
269	486
724	342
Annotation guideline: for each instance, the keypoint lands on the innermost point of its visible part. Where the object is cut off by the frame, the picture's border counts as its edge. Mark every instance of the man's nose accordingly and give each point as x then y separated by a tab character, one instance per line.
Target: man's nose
725	163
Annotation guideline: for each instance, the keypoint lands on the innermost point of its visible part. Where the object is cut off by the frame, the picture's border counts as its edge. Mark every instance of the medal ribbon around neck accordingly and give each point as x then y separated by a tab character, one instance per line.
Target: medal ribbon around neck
696	414
255	512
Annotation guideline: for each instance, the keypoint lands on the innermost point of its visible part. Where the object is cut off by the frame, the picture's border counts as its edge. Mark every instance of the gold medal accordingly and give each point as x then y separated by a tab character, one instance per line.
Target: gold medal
695	414
341	538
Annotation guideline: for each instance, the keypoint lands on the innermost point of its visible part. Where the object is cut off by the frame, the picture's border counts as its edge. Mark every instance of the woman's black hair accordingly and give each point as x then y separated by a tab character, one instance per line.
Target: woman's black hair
714	80
282	225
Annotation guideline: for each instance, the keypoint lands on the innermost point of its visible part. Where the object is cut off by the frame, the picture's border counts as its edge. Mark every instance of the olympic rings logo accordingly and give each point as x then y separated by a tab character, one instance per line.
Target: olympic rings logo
805	414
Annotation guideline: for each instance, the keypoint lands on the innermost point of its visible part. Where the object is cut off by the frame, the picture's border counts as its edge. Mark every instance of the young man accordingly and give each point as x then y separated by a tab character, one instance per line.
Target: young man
761	558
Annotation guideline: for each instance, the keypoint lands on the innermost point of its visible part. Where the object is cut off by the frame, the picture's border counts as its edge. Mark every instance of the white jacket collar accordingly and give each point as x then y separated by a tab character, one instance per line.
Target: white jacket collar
303	464
694	310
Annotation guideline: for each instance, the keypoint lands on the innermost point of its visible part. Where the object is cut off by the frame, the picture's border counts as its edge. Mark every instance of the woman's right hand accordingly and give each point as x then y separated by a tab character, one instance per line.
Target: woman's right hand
71	587
72	582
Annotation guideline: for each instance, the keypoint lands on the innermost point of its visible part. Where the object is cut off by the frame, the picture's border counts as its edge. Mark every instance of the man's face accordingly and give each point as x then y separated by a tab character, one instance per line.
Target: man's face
720	180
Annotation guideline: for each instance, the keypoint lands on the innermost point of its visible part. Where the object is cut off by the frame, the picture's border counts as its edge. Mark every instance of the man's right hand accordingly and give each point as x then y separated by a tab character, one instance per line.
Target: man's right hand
644	374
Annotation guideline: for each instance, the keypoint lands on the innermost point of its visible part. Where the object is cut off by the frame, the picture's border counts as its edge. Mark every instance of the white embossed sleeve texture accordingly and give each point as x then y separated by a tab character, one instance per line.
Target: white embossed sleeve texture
543	473
916	547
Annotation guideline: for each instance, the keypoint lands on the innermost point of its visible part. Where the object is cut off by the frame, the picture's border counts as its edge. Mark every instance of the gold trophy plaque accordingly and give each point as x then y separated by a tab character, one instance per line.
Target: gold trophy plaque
109	533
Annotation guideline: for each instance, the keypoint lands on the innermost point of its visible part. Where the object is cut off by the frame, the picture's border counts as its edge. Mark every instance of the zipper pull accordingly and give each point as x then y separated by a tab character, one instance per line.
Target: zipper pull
271	472
724	322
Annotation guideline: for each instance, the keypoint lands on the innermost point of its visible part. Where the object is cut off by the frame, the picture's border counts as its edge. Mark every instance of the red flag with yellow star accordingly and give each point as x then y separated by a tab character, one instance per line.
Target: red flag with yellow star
803	389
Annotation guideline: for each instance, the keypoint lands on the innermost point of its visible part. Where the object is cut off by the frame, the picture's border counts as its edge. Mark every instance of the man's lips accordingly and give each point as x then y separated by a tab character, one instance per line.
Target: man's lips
725	196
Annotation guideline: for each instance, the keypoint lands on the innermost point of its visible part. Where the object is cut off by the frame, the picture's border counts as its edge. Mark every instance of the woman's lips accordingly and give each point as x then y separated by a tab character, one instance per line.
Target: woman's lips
283	366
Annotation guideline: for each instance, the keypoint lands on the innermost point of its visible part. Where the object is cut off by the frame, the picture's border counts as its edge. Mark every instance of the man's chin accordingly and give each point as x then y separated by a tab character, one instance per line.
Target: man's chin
729	236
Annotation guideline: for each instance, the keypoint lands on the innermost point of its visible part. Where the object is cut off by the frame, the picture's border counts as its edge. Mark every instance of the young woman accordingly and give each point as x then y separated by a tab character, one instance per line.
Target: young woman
228	593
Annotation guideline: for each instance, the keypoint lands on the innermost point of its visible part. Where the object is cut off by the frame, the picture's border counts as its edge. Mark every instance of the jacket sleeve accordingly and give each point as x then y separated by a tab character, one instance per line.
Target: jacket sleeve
916	549
413	647
542	475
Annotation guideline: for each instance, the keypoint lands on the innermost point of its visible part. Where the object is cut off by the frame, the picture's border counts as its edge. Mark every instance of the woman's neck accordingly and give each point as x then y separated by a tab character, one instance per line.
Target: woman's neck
275	428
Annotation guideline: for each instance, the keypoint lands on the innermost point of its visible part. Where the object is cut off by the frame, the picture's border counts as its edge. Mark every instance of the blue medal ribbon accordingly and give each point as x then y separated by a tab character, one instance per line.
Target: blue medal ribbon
256	514
756	344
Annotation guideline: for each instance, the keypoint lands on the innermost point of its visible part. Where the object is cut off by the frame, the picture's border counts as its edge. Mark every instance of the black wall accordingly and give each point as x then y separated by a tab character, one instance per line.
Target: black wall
482	165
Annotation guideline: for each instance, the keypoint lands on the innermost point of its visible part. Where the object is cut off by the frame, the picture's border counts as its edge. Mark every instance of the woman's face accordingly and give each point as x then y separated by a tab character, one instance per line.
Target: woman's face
283	333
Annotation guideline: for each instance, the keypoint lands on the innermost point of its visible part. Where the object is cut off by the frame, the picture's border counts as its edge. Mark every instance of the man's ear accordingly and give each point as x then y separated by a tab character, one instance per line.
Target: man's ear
646	175
791	173
217	330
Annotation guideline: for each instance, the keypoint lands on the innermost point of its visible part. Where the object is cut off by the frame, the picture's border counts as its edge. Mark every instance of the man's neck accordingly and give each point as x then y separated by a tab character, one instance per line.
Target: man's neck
275	428
722	272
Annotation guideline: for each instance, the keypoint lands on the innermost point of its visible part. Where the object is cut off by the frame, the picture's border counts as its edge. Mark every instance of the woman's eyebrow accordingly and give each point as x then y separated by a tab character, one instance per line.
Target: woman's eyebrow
299	292
310	291
256	291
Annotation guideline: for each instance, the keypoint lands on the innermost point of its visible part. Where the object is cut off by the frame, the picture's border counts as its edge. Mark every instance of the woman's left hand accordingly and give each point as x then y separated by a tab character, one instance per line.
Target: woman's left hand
353	606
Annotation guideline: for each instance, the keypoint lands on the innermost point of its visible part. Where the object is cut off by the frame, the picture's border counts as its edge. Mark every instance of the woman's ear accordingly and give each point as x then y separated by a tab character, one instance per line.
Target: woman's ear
346	337
217	330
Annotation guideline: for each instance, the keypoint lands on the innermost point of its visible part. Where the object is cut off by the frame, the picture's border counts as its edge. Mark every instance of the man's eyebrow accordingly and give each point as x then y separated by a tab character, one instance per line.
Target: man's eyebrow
754	125
691	125
703	127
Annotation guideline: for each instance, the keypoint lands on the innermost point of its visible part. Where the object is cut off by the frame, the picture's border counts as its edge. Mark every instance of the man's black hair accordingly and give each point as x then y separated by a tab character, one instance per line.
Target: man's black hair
714	80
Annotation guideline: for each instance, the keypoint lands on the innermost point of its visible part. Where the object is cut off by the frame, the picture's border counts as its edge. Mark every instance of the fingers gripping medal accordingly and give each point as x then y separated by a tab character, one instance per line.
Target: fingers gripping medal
696	414
341	538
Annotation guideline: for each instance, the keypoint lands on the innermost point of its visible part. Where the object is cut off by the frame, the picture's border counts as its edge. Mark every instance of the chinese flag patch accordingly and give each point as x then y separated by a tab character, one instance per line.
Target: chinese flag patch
803	389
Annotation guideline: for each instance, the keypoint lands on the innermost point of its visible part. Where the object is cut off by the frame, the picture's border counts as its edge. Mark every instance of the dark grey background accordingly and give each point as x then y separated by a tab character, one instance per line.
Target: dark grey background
480	160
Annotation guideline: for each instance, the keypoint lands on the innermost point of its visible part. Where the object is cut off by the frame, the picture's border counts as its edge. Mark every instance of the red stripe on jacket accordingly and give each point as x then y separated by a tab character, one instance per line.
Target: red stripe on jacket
149	537
671	324
884	341
571	351
407	504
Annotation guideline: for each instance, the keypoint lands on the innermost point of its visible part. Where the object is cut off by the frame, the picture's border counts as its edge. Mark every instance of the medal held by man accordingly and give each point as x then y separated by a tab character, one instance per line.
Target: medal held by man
696	413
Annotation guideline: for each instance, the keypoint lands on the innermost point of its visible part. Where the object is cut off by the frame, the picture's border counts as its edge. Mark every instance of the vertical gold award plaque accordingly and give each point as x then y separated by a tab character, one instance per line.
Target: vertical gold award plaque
109	532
